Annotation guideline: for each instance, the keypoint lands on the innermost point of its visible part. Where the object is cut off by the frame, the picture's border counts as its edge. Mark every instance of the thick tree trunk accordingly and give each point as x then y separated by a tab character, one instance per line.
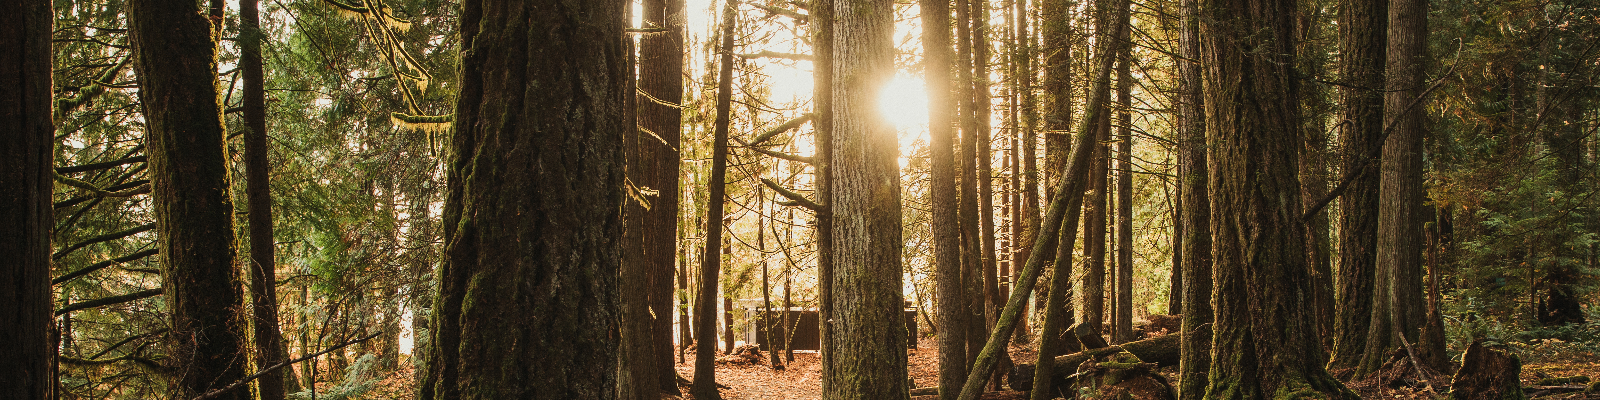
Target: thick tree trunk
870	338
1398	306
705	385
966	157
639	376
1266	346
262	264
942	194
26	162
1195	212
1362	41
194	211
527	303
661	77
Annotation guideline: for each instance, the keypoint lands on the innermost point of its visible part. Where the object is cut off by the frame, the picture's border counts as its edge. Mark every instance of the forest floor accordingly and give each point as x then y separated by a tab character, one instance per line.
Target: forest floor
802	378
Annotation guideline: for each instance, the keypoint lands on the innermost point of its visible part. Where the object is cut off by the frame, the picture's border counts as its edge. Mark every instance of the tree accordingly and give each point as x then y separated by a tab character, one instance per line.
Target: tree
942	195
711	258
1397	306
661	78
1265	346
26	163
176	67
1361	64
1195	212
262	265
870	338
527	300
1123	332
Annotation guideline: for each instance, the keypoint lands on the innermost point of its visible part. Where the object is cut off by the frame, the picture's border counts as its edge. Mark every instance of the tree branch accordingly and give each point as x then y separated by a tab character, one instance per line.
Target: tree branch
100	165
109	301
102	265
797	198
781	128
102	238
275	367
774	54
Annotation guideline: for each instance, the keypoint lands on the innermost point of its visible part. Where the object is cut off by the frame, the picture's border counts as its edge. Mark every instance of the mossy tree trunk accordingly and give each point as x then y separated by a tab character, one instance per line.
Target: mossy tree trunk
1398	304
867	321
176	70
1362	44
26	162
527	306
1195	212
1265	346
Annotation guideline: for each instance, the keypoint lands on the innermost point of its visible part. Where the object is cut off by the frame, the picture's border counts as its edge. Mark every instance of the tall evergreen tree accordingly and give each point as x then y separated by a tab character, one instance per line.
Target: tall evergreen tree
661	122
176	67
942	195
1265	346
26	127
870	336
1362	40
711	258
268	341
527	306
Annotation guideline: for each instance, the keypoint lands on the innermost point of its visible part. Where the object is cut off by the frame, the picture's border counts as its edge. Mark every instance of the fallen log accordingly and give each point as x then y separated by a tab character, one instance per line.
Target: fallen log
1160	350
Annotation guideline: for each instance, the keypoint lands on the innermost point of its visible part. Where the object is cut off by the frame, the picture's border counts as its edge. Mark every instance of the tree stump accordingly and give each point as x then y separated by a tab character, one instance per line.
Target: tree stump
1487	373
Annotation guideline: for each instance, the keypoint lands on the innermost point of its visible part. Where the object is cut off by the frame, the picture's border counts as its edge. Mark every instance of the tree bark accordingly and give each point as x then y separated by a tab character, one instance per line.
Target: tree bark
26	158
1266	347
942	194
705	385
661	77
176	70
527	300
1124	289
1195	211
1315	105
258	193
1362	43
822	23
1398	302
870	341
639	376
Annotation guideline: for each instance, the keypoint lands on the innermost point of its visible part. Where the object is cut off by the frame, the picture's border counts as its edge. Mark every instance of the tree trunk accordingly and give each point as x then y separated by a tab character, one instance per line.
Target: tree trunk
26	162
984	174
1267	347
262	264
1091	304
967	156
822	97
526	305
176	68
639	377
1124	290
870	362
1195	213
1315	105
705	385
942	194
1398	301
661	77
1056	31
1362	41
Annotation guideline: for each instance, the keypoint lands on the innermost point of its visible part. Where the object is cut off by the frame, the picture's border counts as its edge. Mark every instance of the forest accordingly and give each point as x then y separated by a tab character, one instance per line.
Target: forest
799	199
